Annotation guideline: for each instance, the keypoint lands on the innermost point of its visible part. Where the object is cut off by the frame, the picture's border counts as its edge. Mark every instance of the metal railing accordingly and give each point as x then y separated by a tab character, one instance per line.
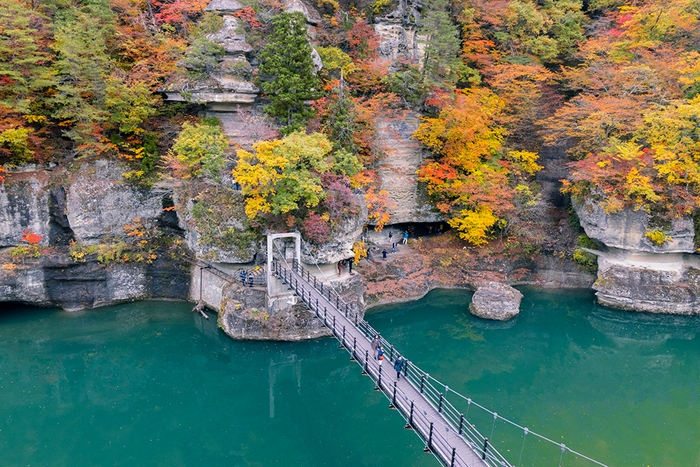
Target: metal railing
435	438
431	389
252	276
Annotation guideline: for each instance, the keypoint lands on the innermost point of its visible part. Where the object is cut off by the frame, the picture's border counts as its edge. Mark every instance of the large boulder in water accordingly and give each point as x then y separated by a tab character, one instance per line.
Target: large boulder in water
496	301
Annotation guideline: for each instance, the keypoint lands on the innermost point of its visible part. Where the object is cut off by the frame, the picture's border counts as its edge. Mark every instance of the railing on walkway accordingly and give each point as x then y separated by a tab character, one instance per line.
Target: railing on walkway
434	432
257	275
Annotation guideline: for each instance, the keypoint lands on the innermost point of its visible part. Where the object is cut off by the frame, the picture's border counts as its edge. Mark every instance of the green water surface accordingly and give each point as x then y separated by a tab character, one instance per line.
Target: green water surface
153	384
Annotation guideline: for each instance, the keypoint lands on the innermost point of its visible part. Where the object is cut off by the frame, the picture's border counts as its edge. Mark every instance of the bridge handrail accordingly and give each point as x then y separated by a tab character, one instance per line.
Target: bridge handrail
417	377
427	384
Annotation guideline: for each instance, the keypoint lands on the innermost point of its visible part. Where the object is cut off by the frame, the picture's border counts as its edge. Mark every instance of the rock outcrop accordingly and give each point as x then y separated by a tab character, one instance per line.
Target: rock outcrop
246	314
397	32
90	206
397	170
626	229
636	274
228	85
343	237
24	205
100	204
496	301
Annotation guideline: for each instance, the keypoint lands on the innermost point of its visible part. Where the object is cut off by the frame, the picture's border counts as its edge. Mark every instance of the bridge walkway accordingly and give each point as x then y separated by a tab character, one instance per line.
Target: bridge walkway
445	431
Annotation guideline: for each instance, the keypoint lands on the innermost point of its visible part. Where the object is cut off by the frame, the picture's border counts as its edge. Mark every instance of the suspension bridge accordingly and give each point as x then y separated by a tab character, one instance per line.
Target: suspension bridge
421	400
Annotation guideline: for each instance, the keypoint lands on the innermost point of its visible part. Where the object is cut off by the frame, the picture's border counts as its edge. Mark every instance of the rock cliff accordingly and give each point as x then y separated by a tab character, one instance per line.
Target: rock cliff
81	261
637	274
397	169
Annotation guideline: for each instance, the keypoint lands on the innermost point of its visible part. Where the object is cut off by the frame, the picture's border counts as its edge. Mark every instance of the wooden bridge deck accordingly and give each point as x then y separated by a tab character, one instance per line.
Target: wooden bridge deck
446	433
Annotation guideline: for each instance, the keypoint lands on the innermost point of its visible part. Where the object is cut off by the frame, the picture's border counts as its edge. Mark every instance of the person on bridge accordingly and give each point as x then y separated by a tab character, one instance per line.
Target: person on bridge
398	366
380	354
375	344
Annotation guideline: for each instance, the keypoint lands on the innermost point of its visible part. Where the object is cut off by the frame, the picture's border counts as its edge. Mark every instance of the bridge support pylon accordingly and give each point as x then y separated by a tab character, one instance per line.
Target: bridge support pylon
279	296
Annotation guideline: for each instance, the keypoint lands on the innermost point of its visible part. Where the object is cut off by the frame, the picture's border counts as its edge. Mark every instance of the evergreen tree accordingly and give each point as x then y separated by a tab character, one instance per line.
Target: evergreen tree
341	123
286	59
441	63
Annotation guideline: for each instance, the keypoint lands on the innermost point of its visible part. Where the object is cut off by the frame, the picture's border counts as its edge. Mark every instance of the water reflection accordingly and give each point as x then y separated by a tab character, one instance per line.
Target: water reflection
643	327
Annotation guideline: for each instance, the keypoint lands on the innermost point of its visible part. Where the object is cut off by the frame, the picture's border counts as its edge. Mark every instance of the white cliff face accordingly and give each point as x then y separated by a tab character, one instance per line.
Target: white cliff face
99	203
398	32
626	230
96	207
397	170
634	274
24	205
397	41
650	282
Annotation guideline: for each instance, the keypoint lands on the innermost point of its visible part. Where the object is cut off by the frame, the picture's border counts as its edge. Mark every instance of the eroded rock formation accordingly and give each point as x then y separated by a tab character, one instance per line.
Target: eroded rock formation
496	301
637	274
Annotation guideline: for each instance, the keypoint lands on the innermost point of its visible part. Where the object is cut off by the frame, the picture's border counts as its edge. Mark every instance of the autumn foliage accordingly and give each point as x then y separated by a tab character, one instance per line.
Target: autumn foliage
472	180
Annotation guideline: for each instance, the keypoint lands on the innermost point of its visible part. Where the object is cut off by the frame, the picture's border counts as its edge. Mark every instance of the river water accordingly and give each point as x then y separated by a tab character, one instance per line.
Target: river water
151	383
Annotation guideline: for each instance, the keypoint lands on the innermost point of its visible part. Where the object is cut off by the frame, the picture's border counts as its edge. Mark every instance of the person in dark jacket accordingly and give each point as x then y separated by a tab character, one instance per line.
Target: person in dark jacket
375	344
384	253
398	366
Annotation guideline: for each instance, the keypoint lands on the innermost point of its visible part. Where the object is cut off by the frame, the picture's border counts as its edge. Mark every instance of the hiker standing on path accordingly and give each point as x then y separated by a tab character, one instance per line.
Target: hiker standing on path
393	247
350	266
391	235
340	267
398	366
384	253
375	345
405	237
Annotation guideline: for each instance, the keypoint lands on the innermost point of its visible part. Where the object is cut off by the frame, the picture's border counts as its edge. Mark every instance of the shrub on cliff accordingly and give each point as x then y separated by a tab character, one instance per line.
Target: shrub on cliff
288	178
199	150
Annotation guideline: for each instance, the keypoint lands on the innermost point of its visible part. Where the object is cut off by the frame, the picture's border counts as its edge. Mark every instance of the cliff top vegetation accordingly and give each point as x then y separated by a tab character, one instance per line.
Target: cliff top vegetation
614	82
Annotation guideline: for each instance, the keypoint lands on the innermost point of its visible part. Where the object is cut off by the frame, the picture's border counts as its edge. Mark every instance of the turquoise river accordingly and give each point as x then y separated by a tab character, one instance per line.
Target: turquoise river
154	384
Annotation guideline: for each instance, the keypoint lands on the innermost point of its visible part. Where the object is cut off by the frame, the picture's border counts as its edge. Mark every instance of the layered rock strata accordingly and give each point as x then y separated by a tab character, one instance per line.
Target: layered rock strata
88	207
637	274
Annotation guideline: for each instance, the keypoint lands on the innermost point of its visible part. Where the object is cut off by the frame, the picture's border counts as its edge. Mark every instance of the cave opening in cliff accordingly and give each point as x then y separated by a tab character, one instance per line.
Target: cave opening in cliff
415	229
8	309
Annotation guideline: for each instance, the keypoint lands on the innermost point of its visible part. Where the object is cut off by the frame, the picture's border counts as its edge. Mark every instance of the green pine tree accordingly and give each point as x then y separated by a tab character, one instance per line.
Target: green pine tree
441	62
286	59
341	123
